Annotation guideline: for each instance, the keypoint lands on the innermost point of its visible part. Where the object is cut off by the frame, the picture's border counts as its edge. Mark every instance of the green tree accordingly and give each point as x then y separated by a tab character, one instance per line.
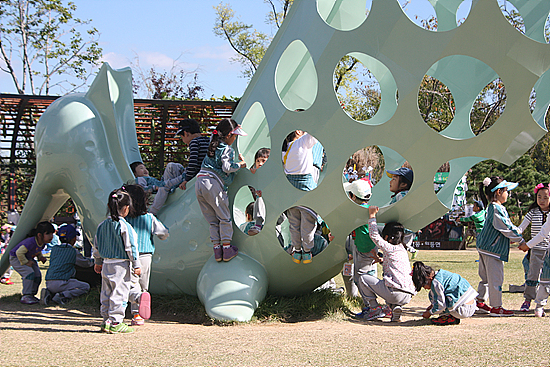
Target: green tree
41	45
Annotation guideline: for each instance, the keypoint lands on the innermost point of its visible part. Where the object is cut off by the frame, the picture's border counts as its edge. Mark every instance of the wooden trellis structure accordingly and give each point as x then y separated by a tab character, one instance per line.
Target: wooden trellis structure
156	126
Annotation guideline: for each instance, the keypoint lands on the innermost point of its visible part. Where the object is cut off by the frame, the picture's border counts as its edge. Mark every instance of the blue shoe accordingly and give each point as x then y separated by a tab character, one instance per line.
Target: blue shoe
364	312
297	257
306	257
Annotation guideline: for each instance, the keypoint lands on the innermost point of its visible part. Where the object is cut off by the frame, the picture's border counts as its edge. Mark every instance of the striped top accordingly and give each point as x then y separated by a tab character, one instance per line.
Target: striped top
63	258
115	240
146	226
198	148
494	239
537	218
396	266
449	291
222	165
319	156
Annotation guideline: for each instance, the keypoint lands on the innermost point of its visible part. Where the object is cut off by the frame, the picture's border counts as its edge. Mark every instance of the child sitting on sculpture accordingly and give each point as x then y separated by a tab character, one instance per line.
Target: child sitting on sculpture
146	225
61	286
216	174
22	260
190	133
116	258
255	214
298	160
450	294
396	287
260	158
170	180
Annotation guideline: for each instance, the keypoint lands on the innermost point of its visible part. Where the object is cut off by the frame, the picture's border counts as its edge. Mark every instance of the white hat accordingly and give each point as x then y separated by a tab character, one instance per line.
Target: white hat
360	188
239	131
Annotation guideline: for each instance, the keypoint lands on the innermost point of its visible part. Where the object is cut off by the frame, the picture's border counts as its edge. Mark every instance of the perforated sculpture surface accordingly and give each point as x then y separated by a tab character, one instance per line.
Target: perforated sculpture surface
85	142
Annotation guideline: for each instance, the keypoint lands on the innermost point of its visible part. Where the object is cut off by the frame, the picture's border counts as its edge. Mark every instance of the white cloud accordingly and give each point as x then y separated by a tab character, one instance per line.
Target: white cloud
224	52
115	60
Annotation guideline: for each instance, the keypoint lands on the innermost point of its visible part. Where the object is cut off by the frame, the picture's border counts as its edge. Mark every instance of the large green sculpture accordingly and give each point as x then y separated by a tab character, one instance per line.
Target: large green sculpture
85	142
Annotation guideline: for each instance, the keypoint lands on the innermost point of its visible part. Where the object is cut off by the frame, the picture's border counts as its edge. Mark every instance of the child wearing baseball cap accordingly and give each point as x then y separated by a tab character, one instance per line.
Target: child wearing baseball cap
60	284
400	183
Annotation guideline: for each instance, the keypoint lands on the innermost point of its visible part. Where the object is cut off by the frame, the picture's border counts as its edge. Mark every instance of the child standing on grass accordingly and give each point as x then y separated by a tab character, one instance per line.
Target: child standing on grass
450	294
146	225
533	261
60	282
22	260
216	174
478	217
396	287
493	244
116	257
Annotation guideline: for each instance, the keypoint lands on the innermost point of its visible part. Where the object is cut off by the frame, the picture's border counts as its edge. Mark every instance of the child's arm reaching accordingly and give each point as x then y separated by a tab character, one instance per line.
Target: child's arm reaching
373	228
228	164
543	233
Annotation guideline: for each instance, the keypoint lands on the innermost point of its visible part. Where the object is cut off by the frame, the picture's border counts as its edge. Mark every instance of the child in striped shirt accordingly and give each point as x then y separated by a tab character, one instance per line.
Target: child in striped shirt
60	280
493	244
533	261
116	258
146	225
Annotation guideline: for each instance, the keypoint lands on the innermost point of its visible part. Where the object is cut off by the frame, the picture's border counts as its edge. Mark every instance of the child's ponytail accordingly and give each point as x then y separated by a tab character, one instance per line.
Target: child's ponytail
224	128
118	199
420	274
485	189
289	139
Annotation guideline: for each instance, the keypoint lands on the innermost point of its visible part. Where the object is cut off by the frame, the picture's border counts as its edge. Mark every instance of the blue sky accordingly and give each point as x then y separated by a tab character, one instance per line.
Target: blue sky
164	32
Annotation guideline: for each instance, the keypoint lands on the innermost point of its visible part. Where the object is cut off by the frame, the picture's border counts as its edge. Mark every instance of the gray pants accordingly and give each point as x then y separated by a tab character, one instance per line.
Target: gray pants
543	292
31	276
302	225
491	272
68	288
370	287
464	311
536	260
140	283
214	205
363	264
171	178
351	287
115	287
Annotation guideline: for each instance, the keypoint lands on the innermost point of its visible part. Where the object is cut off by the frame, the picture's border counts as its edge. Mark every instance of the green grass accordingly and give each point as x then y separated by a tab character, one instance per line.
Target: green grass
317	305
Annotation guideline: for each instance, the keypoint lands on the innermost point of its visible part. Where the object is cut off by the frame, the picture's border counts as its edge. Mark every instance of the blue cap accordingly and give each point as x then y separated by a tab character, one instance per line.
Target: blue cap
505	184
66	232
403	171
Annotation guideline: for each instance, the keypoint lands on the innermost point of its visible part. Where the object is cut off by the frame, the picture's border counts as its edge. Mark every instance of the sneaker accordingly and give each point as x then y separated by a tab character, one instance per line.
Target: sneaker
396	314
145	305
482	307
499	311
229	253
297	257
45	296
254	230
525	306
6	281
106	327
363	314
59	299
377	313
445	320
387	311
27	299
137	320
120	328
306	258
218	254
539	312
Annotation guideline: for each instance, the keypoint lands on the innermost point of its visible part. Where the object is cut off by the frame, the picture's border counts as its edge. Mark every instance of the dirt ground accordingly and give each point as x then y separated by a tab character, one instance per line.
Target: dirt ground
63	336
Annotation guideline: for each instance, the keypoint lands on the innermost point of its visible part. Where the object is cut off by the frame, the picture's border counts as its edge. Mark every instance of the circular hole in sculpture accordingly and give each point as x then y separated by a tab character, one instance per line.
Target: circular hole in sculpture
344	15
302	233
365	88
362	172
249	210
512	15
539	101
436	103
255	147
463	11
296	77
441	176
488	106
304	160
421	13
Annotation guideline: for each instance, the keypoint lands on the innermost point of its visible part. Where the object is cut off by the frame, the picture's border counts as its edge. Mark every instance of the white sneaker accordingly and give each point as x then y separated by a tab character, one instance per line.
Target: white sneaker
539	312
